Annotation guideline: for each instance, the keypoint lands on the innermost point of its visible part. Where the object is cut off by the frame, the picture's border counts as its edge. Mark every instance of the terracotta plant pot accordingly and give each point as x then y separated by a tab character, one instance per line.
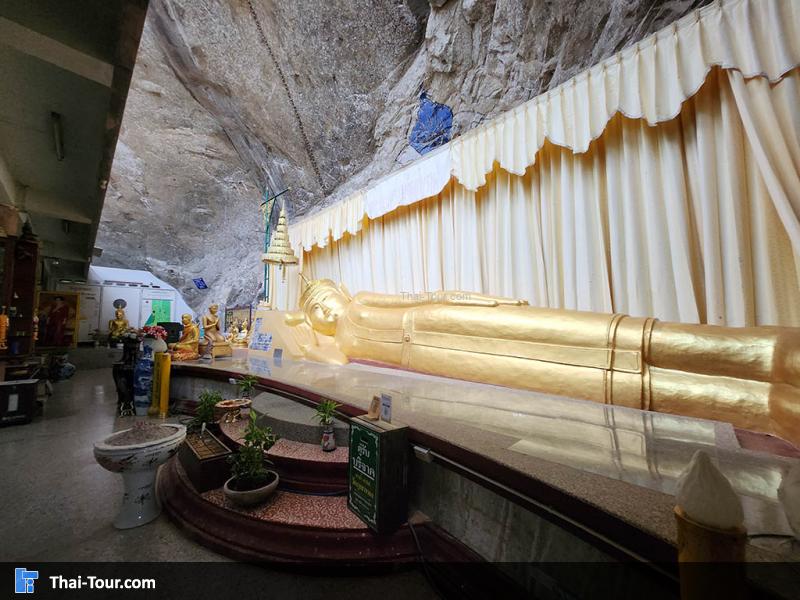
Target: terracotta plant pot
225	411
251	497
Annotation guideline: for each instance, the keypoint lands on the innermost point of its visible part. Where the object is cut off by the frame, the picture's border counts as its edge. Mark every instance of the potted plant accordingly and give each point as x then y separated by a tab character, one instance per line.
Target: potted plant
228	411
204	413
203	455
325	413
246	385
252	483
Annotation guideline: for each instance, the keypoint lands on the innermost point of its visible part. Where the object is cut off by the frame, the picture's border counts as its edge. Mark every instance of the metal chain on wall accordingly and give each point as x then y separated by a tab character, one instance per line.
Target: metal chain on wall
306	143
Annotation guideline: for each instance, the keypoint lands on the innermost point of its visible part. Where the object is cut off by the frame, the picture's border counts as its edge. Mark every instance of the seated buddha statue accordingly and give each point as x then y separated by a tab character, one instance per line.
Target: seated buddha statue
749	377
240	337
118	325
186	348
212	333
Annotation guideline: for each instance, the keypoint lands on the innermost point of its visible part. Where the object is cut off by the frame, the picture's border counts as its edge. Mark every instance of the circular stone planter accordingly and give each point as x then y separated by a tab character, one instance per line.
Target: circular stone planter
227	410
138	464
251	497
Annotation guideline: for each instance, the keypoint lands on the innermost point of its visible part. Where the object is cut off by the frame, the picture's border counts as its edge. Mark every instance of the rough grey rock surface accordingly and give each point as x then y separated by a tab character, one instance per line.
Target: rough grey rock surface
210	119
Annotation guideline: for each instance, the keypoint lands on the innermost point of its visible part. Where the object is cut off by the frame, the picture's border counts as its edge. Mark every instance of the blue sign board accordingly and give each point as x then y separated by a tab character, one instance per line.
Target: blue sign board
201	285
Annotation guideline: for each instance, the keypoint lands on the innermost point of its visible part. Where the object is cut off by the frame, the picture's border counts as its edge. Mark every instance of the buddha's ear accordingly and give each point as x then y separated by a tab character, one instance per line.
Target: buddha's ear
293	319
345	291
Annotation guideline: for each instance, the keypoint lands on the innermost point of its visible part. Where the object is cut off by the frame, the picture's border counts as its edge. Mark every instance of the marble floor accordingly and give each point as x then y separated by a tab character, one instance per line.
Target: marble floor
58	503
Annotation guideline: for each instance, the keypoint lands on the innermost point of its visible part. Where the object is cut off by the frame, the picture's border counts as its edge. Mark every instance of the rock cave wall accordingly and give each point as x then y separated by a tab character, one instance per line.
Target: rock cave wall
323	104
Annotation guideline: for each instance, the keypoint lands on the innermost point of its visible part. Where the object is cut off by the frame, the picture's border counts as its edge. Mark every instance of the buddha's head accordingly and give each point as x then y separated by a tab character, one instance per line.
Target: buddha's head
186	319
322	303
213	309
119	314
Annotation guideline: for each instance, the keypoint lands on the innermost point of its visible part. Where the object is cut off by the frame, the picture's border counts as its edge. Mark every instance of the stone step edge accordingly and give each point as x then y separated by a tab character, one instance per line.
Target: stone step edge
231	433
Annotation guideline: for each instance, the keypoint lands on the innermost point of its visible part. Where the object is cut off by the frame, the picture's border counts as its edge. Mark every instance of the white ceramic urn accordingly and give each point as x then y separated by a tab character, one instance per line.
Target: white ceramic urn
138	465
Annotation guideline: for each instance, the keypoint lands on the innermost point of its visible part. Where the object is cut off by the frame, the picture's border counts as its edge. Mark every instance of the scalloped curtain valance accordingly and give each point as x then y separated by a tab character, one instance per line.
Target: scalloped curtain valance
649	80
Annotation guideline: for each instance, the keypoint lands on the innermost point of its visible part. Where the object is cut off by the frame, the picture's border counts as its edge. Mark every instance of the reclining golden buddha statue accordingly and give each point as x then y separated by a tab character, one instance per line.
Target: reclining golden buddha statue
749	377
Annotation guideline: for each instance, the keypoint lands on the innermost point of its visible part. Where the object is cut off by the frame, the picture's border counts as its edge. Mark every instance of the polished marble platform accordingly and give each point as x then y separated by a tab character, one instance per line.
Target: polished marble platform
622	462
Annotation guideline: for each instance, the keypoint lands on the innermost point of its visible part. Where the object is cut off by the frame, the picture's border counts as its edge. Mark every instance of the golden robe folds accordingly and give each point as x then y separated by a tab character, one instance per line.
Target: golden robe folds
749	377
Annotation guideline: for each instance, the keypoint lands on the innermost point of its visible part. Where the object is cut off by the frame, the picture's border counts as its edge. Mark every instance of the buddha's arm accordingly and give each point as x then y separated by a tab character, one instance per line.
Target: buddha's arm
455	298
325	351
316	347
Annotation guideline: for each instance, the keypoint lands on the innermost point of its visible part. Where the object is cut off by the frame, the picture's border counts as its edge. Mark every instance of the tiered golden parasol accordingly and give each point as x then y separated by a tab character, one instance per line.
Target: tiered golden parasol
280	251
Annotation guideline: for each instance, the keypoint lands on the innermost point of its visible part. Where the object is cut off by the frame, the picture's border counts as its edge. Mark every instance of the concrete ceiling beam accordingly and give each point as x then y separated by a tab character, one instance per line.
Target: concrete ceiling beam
50	205
51	249
49	50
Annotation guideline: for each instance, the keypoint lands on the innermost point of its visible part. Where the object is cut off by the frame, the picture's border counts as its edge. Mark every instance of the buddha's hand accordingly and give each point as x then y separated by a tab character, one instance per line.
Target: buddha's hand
511	302
475	299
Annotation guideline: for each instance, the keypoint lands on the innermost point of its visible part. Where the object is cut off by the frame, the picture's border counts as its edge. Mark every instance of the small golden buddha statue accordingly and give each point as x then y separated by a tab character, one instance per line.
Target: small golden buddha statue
749	377
118	325
239	335
186	348
4	320
212	333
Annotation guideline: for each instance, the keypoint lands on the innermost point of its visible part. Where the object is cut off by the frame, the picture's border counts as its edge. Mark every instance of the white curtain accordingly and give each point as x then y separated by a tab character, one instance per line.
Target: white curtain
676	220
648	80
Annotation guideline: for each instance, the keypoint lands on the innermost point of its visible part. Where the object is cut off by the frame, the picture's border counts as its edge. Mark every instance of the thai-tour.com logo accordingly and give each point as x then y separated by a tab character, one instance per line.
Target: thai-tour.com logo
25	582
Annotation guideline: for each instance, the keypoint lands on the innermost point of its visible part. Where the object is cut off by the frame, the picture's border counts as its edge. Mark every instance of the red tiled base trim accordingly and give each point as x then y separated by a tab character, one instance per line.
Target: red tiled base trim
244	536
323	512
301	451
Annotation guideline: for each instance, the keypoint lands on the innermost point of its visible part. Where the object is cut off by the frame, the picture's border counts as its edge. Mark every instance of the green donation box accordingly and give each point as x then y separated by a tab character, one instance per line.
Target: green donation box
378	474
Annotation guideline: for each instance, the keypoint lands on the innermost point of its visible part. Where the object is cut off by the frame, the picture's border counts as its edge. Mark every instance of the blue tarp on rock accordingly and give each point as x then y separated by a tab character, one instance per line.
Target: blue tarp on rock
433	125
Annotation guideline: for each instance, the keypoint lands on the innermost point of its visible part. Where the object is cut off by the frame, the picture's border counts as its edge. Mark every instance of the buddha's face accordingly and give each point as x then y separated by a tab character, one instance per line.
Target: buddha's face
213	309
186	320
328	304
119	314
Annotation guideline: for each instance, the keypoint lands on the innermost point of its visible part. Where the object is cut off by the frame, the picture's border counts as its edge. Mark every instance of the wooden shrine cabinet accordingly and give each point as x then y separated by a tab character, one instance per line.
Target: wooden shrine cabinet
19	261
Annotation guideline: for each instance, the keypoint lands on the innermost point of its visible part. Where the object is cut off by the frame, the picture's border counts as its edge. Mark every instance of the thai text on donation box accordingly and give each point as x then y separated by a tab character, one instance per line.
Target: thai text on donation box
378	474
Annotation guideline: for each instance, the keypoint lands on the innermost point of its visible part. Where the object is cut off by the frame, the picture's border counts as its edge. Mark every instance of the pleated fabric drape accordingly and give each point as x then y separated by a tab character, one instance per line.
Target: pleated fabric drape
677	220
648	80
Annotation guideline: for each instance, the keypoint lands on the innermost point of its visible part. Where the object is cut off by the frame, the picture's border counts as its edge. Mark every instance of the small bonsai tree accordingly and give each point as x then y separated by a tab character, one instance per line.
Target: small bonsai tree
246	385
325	412
247	464
205	408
